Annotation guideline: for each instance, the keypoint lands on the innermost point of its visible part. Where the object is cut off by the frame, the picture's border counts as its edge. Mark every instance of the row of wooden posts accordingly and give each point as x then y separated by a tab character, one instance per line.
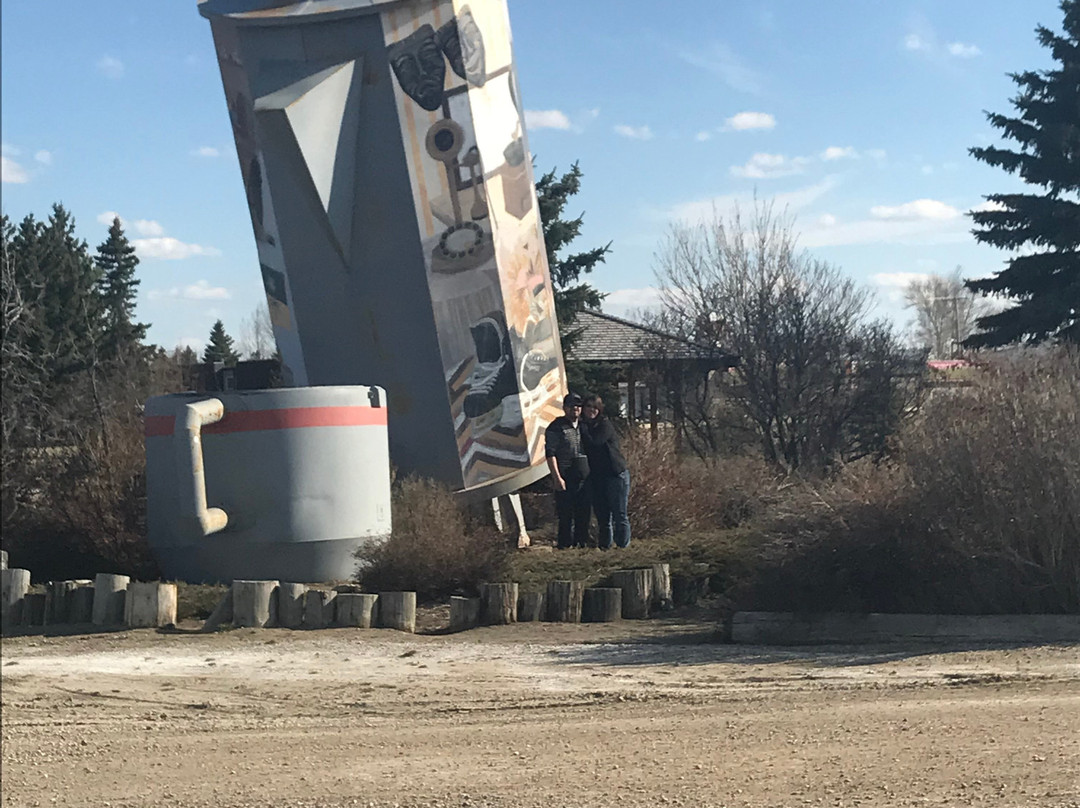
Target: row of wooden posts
108	600
115	600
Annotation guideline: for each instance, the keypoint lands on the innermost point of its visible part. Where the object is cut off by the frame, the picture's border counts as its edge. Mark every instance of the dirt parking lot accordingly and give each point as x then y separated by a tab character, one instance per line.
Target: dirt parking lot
630	714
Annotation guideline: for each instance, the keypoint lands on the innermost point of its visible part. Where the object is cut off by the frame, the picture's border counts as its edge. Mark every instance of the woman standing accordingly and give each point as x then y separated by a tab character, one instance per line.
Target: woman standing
608	474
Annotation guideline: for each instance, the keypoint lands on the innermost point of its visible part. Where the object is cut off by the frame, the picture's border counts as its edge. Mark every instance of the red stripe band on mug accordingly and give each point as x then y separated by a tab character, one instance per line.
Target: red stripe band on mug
291	418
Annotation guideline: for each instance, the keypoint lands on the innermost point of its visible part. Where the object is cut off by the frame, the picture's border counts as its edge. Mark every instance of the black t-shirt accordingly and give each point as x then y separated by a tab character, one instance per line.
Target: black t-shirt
563	442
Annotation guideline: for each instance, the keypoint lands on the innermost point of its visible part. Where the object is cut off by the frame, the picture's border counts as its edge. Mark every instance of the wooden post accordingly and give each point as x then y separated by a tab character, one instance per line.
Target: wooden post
631	398
82	604
636	586
564	601
601	605
14	584
254	603
109	594
33	609
464	613
58	608
354	609
290	610
530	607
150	605
498	603
686	590
222	614
398	610
319	608
661	587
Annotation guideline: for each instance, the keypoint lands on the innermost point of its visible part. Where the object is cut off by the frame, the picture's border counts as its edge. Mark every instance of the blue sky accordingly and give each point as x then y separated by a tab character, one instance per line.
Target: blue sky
856	116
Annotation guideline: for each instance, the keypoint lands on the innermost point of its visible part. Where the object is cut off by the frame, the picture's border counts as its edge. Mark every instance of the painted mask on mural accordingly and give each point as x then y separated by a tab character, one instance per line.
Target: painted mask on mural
418	63
472	48
463	45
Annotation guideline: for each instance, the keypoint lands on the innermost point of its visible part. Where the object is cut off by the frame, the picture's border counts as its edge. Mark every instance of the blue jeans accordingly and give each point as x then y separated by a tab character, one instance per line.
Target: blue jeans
610	498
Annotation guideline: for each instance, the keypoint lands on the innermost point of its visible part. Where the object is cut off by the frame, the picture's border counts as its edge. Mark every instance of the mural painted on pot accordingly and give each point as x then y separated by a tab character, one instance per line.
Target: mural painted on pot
468	159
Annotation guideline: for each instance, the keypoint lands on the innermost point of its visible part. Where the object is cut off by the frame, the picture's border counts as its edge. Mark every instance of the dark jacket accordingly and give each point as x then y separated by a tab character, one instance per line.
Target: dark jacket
563	441
601	443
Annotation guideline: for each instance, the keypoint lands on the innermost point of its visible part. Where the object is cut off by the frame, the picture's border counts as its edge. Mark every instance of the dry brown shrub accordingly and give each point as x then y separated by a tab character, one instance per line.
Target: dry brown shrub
978	512
671	492
437	546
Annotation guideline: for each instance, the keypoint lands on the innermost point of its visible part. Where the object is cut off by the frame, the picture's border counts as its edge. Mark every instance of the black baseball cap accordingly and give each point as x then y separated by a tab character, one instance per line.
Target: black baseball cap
572	400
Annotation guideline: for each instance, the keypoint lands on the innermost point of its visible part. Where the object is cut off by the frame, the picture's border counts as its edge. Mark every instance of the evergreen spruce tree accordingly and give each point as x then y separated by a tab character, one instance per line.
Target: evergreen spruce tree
220	348
118	286
1040	229
571	293
69	304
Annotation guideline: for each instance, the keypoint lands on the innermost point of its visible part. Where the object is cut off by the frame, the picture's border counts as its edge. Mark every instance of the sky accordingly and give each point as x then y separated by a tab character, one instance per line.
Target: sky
854	116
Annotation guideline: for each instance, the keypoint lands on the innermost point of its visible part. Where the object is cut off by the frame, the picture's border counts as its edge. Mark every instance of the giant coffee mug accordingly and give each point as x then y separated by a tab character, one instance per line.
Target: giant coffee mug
386	167
270	484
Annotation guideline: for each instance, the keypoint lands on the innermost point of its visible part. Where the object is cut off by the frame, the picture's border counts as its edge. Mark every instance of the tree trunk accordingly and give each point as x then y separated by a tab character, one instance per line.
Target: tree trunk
464	613
601	605
222	614
564	601
355	609
498	603
109	593
82	604
397	610
530	607
290	610
636	586
319	608
254	603
661	587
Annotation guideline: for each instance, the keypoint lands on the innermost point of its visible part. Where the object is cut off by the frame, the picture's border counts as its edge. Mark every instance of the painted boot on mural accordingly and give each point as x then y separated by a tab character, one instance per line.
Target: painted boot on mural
492	378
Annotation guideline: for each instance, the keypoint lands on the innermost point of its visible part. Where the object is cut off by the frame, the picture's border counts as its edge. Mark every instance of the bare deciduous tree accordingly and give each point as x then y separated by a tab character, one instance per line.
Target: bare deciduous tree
817	379
945	312
256	339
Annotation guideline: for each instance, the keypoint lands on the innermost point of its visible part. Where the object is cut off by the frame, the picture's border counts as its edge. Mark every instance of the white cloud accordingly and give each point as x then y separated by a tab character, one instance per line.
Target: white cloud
206	151
200	290
546	119
963	50
743	121
110	66
926	170
914	42
839	153
624	301
700	210
876	154
44	157
154	243
899	280
988	206
167	248
148	227
918	210
826	220
768	166
634	132
702	136
724	63
10	171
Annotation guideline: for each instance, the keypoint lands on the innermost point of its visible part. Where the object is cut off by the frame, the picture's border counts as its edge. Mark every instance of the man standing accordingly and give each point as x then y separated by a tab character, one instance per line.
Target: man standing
569	470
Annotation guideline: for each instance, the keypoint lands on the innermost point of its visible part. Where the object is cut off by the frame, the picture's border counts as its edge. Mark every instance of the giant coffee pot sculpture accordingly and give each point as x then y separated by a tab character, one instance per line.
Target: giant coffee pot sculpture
383	152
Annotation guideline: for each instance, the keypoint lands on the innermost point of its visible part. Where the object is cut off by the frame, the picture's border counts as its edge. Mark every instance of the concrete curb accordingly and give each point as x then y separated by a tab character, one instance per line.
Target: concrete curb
787	628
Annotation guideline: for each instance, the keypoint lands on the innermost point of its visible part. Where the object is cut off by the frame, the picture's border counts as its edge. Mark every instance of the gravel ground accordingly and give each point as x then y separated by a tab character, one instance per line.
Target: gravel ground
627	714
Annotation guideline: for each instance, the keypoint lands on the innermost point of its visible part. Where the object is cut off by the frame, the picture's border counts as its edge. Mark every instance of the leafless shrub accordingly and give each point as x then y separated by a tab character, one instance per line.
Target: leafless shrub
979	512
671	492
436	548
